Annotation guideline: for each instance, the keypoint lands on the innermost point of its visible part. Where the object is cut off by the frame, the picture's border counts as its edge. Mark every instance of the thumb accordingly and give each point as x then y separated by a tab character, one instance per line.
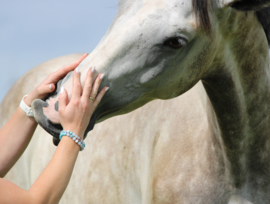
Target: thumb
51	88
48	88
62	99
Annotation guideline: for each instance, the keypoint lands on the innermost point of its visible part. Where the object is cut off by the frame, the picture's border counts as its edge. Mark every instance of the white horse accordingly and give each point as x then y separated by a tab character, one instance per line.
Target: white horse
209	145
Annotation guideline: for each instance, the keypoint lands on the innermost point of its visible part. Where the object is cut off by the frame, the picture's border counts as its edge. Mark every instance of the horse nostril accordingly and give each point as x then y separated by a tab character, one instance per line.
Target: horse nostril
56	105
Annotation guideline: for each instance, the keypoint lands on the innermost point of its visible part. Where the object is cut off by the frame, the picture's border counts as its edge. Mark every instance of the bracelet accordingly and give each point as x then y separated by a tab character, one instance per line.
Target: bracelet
26	108
73	136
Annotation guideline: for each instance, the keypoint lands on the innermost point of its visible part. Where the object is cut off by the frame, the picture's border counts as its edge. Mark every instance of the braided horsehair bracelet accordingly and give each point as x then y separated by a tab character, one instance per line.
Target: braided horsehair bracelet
26	108
73	136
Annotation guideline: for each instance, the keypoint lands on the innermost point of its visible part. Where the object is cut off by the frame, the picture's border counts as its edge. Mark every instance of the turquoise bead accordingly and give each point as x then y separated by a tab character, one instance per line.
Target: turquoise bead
73	136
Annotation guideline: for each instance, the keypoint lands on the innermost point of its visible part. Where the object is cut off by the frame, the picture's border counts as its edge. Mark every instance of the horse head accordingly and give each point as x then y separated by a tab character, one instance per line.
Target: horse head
154	49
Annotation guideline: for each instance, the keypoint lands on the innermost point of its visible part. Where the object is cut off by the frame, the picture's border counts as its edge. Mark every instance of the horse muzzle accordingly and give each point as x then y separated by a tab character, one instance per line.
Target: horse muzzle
46	115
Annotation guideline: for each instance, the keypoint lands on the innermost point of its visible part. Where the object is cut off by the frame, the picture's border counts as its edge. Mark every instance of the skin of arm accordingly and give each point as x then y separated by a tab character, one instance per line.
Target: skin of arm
18	131
74	116
52	182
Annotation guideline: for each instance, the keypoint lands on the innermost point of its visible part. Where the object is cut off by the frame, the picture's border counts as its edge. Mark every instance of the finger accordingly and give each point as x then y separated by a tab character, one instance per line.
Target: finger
51	87
62	100
59	74
96	85
76	87
82	57
87	88
45	89
100	96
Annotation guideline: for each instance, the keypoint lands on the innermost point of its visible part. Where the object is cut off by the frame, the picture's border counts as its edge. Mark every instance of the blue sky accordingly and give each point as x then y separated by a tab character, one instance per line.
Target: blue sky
32	32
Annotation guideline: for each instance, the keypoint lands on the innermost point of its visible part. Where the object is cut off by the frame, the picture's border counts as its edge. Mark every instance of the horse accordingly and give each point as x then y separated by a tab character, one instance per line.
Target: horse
186	119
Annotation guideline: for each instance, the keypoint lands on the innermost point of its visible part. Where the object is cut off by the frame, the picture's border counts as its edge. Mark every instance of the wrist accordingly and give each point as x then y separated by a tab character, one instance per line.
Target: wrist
26	108
74	130
29	99
79	141
32	96
71	143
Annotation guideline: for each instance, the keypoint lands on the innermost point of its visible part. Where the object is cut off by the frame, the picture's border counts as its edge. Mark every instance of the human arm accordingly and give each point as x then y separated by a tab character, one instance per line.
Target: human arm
74	116
17	132
42	191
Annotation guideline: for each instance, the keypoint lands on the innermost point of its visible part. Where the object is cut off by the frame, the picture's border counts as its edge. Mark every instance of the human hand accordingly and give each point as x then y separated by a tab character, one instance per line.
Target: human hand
75	113
48	85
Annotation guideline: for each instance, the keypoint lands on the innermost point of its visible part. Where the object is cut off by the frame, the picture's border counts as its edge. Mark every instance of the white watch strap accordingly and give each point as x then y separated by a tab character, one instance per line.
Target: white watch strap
26	108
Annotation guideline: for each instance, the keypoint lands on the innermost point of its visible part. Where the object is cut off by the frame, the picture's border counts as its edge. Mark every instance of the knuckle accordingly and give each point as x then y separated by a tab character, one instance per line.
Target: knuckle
51	74
65	68
85	106
97	85
89	87
77	86
39	90
91	73
98	81
76	102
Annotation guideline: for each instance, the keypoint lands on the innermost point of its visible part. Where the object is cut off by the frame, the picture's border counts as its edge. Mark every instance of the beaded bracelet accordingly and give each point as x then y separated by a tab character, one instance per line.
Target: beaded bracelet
73	136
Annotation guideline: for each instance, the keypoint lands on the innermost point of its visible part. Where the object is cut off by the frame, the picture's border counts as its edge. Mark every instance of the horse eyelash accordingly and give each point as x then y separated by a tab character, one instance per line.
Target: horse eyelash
180	40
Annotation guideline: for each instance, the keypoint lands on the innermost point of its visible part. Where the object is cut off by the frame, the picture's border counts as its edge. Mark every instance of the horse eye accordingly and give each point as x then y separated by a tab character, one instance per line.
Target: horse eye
175	43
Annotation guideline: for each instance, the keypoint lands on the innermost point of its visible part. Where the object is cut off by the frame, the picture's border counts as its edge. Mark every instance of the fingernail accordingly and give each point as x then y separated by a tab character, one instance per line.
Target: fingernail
85	54
93	69
77	70
62	90
102	76
50	87
107	89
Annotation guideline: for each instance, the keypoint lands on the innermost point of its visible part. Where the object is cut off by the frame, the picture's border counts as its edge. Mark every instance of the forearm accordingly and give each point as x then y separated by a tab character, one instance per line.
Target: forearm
51	184
17	133
14	138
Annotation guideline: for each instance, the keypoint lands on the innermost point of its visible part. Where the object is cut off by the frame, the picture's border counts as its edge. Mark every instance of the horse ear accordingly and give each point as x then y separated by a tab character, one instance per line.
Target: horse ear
247	5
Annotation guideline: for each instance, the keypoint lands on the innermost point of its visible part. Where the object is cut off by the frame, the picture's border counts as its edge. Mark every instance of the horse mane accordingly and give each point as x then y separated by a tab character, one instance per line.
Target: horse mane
201	9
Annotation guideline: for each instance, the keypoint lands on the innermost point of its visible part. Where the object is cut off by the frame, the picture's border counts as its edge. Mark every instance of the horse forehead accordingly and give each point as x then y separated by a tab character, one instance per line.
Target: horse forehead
166	12
183	5
122	2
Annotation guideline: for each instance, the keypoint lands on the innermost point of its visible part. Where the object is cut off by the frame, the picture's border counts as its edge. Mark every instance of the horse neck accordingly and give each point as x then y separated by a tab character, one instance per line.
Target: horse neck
238	86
